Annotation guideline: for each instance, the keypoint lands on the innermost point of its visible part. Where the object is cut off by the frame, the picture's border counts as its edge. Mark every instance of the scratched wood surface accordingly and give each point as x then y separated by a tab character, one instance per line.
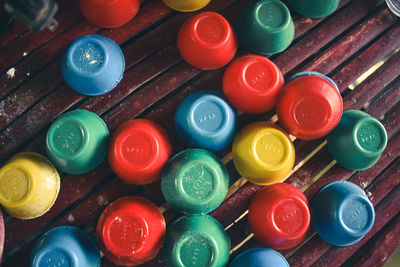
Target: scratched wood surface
345	45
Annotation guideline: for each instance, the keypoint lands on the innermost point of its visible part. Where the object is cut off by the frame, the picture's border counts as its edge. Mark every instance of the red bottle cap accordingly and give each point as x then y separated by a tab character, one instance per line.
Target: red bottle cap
131	231
309	107
109	14
206	41
251	83
138	151
279	216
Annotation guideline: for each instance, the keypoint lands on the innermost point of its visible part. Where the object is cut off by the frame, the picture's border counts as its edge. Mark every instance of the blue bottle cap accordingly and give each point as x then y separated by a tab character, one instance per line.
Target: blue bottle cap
342	214
205	120
260	257
93	65
312	73
65	246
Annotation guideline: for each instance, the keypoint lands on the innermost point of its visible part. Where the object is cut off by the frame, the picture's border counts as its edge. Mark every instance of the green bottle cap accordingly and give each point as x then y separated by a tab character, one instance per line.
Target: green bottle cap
265	27
195	181
358	141
77	141
314	8
196	241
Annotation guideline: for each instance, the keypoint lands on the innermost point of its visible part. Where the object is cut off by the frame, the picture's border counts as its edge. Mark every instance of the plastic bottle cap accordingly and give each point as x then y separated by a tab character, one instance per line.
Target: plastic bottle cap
109	14
131	231
265	27
206	41
262	153
138	151
312	73
186	5
309	107
314	8
29	185
196	241
260	257
251	83
279	216
205	120
342	213
77	141
371	136
358	141
93	65
65	246
195	181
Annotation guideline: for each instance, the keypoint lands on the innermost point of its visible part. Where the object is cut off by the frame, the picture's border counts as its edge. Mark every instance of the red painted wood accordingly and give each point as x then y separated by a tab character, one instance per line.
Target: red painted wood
317	39
383	247
26	43
385	101
377	51
16	29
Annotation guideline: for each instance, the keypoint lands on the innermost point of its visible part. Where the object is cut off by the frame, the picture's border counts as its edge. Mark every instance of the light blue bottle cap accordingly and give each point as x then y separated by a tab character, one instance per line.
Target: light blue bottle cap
205	120
65	246
312	73
93	65
260	257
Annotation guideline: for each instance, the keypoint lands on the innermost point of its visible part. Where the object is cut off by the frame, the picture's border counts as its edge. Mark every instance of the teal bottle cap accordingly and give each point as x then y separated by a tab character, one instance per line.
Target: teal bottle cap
265	27
196	241
358	141
77	141
314	8
195	181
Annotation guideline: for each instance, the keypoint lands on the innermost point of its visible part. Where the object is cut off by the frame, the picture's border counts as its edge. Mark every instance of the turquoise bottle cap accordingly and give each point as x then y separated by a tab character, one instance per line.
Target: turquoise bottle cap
358	141
196	241
195	181
265	27
77	141
314	8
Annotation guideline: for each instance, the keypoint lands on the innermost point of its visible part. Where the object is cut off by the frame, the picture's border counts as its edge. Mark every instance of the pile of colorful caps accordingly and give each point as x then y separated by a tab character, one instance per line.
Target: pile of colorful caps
194	182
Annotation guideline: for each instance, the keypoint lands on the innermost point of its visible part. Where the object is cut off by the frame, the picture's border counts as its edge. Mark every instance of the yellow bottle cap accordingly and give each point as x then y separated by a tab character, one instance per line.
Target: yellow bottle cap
29	185
263	153
186	5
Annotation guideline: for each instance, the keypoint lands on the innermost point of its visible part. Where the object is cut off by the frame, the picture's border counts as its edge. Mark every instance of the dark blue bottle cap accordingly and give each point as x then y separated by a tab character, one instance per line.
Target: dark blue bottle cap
205	120
260	257
93	65
65	246
342	214
312	73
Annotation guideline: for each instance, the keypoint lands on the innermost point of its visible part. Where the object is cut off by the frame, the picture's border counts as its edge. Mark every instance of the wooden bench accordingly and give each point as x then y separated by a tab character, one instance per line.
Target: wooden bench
356	46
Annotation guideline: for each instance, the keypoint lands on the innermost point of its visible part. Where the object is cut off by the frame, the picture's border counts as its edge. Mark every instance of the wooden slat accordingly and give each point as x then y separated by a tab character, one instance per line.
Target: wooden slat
383	247
17	29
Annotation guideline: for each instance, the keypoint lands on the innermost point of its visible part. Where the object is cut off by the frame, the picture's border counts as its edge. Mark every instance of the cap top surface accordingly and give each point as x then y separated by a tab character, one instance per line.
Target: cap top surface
211	29
357	215
259	76
312	112
289	216
270	148
14	184
55	257
198	182
370	135
271	15
209	115
137	148
88	56
196	251
125	233
67	137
